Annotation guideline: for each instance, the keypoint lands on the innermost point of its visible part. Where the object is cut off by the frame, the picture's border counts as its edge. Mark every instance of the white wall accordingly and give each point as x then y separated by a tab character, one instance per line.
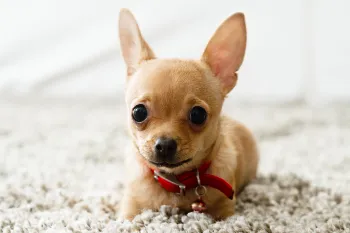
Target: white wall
331	42
296	49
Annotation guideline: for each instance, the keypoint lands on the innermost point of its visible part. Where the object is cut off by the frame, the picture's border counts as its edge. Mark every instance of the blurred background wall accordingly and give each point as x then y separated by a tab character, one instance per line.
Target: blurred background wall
298	50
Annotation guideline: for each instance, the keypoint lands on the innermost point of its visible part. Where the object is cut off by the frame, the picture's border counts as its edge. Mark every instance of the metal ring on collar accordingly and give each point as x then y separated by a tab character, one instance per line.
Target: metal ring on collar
201	190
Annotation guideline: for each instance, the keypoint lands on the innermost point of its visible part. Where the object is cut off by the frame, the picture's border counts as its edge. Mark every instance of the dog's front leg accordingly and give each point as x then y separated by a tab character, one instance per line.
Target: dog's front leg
223	208
128	207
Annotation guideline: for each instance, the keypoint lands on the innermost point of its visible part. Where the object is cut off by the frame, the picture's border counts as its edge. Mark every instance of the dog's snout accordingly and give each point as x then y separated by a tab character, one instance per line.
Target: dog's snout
165	148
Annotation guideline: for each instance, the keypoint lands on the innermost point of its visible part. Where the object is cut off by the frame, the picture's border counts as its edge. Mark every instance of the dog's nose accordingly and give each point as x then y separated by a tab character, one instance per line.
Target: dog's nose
165	148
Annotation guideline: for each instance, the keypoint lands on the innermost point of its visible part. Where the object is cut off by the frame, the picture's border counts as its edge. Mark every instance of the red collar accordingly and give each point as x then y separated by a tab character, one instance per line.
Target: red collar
188	180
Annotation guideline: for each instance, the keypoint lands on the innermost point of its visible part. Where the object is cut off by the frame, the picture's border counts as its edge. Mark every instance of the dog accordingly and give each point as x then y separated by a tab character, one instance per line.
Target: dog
185	153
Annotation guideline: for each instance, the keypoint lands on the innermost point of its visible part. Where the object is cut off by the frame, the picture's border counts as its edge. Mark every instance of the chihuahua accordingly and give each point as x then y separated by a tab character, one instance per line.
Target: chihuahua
185	153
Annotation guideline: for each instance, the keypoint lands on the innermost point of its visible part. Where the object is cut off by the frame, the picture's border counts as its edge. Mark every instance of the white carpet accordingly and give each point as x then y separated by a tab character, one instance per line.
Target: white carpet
60	171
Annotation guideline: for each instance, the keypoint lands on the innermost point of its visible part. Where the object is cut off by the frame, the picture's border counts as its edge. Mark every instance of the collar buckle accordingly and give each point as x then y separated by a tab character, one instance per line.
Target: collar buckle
171	178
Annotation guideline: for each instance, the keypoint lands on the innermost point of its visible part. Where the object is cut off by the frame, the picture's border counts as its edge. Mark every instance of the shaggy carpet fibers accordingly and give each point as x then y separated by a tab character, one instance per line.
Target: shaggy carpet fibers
61	171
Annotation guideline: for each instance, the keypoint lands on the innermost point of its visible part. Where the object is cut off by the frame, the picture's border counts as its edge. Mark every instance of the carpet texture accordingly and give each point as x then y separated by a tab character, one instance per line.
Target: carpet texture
61	171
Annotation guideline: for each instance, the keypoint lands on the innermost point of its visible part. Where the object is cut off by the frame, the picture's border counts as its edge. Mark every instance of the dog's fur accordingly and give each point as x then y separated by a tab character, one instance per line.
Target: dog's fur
169	88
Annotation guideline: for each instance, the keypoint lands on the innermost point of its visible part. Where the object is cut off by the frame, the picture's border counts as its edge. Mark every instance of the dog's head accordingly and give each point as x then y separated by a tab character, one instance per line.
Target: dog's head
174	105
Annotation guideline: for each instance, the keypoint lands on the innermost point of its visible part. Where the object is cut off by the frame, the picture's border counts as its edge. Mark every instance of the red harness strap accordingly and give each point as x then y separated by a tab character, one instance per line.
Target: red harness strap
188	180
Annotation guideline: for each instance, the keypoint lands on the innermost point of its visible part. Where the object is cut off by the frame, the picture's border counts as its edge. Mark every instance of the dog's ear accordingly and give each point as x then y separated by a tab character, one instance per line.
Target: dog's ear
134	48
225	51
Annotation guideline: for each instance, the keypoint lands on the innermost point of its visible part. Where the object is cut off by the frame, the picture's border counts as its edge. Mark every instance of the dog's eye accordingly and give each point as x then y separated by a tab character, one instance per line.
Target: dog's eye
198	115
139	113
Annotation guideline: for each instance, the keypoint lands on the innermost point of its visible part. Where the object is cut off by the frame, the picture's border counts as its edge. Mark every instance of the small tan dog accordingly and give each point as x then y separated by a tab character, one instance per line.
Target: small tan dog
186	154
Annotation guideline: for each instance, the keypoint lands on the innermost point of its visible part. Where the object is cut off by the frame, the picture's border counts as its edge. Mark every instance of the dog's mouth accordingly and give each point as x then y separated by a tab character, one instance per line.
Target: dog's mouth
169	165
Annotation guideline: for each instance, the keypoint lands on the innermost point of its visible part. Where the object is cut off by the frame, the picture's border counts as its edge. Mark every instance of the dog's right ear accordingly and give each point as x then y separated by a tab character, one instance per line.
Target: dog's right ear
134	48
225	51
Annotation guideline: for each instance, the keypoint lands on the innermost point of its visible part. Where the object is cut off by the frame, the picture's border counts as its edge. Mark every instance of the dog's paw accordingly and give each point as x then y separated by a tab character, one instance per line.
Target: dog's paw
123	216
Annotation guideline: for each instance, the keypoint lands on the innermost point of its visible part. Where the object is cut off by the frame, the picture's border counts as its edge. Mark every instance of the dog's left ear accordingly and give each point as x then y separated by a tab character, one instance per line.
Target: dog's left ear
134	48
225	51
